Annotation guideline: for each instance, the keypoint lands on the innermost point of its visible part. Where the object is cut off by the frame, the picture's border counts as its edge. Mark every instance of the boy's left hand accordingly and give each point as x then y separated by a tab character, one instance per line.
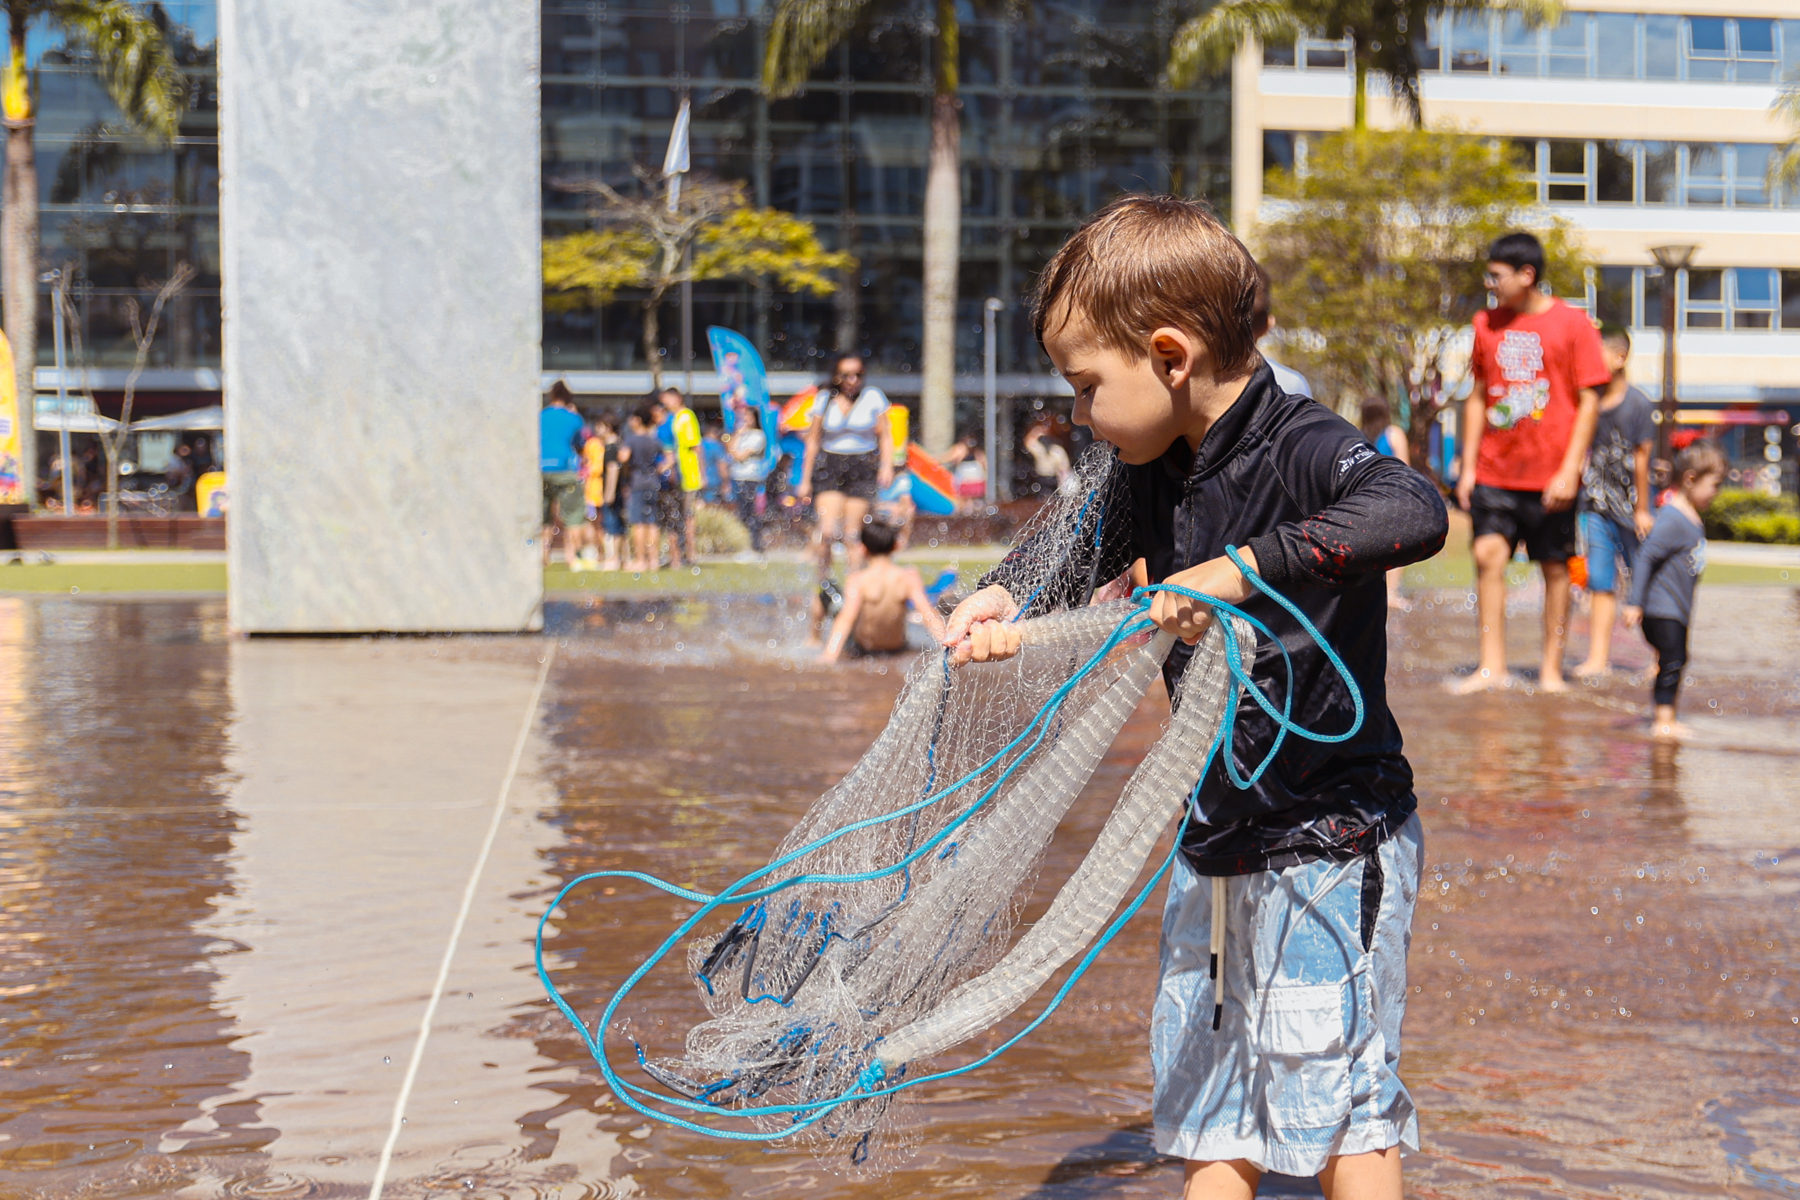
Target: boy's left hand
1634	616
1187	618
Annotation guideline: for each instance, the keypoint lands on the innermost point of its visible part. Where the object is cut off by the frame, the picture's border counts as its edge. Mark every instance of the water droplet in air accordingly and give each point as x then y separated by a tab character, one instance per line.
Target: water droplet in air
387	1061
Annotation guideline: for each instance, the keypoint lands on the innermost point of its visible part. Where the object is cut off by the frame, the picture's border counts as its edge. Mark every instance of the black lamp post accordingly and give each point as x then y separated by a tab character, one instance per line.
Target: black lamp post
1671	259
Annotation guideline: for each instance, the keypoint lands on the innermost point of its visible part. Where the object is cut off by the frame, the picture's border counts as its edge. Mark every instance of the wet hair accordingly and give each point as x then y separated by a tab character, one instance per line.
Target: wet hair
1376	416
1615	333
1518	251
878	537
645	415
1701	457
1144	262
560	394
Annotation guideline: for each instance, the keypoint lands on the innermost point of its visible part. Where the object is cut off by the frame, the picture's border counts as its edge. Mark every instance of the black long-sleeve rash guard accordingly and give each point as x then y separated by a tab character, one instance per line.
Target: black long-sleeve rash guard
1326	515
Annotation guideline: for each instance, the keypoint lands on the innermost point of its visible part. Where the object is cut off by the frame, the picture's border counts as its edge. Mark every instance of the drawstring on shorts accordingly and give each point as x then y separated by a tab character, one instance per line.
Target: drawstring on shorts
1220	892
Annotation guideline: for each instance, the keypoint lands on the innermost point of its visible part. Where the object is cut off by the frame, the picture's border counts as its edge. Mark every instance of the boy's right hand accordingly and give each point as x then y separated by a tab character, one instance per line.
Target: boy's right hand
1465	490
982	629
1634	616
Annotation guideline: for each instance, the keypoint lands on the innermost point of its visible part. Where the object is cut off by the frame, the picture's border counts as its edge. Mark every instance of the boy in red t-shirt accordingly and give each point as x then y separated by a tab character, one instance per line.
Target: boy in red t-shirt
1538	365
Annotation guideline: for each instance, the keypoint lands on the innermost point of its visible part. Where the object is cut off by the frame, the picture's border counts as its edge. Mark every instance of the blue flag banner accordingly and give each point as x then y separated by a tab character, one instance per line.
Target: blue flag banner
744	387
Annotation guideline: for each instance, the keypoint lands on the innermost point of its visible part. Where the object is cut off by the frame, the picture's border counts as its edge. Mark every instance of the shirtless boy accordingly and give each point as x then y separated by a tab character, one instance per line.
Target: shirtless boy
873	619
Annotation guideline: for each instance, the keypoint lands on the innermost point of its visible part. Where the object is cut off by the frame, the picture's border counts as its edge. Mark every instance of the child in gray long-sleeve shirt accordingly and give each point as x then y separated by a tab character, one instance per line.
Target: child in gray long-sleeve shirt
1668	565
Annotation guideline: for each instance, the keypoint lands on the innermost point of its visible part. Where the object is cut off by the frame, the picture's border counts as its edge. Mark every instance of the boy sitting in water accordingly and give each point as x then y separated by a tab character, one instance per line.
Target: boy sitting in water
873	618
1146	311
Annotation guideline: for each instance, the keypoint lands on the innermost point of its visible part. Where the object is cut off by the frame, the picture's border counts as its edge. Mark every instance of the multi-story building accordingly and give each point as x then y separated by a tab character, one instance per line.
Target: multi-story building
1648	123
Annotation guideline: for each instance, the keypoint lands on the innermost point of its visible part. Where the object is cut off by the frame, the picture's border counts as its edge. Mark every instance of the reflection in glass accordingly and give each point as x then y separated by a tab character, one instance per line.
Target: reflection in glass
1615	39
1755	50
1750	175
1705	174
1790	48
1327	56
1660	173
1755	296
1520	52
1568	47
1615	172
1790	299
1612	295
1662	47
1471	42
1278	54
1706	298
1708	57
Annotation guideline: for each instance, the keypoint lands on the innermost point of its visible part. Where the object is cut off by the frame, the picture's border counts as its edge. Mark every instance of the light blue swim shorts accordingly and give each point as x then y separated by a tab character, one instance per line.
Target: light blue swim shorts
1304	1065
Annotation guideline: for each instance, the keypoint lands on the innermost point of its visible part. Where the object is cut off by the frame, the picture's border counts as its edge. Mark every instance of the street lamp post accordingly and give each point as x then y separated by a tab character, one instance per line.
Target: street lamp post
1672	260
58	282
989	310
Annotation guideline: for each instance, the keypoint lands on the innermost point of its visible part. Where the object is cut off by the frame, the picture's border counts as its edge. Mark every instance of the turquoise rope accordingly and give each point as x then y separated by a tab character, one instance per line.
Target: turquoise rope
868	1085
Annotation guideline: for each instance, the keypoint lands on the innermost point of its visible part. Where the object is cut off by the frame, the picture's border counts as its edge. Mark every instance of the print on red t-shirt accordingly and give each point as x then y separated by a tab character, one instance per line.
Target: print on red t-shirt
1529	371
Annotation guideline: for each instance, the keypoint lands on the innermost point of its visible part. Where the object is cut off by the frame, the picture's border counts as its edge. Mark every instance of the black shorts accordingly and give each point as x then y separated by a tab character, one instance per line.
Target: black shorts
852	474
1519	516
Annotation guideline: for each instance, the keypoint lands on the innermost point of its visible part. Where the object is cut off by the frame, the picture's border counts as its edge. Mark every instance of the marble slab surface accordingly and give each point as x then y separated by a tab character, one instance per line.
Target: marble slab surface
381	231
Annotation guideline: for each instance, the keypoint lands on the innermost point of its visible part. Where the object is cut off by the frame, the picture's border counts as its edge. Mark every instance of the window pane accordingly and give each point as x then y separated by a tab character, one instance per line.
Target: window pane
1707	56
1470	42
1706	285
1755	287
1614	172
1429	48
1278	54
1790	299
1756	38
1568	158
1519	47
1751	177
1659	173
1705	319
1568	47
1616	46
1612	295
1705	173
1653	298
1325	56
1278	149
1662	47
1568	193
1524	152
1790	48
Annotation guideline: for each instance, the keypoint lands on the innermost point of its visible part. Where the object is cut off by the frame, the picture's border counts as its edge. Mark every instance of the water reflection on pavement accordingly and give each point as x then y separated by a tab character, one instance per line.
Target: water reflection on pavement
231	871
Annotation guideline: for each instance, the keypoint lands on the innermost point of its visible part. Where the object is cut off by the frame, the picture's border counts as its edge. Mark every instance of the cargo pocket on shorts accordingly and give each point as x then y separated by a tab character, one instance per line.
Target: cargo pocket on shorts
1300	1043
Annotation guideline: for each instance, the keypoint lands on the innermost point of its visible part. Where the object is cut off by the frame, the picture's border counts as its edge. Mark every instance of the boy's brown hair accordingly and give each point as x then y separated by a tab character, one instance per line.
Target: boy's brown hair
1698	458
1144	262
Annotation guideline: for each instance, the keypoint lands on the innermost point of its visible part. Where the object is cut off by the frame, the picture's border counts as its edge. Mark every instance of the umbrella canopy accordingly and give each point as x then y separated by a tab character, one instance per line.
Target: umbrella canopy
211	417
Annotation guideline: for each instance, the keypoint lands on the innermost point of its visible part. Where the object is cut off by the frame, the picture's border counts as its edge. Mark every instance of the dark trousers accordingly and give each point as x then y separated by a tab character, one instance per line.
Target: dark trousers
746	511
1669	636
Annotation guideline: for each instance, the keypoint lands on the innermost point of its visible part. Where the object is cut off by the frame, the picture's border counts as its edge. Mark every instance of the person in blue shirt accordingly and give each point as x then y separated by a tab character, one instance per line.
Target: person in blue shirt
560	430
715	461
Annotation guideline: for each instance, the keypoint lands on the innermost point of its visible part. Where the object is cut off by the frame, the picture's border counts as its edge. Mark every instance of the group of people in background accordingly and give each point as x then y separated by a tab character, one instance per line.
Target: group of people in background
1556	448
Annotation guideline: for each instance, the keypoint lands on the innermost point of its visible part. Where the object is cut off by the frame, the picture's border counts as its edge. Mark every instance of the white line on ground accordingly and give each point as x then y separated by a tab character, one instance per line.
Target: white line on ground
462	917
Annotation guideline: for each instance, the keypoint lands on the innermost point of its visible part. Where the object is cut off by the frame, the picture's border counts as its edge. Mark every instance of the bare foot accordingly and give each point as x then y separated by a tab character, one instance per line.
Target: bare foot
1671	731
1589	670
1552	683
1483	680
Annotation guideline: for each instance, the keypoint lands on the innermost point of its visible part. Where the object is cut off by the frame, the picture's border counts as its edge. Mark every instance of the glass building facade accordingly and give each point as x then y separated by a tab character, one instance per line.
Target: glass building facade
120	211
1062	110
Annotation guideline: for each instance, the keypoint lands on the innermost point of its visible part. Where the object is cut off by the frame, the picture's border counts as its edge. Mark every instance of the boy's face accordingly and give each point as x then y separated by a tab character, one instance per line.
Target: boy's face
1703	489
1510	285
1129	404
1617	354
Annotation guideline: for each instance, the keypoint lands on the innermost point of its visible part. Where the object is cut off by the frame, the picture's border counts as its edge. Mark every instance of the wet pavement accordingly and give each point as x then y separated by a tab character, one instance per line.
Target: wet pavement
266	911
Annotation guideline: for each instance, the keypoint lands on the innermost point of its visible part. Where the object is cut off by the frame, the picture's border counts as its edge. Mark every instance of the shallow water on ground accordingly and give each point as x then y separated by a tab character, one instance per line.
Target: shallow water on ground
230	872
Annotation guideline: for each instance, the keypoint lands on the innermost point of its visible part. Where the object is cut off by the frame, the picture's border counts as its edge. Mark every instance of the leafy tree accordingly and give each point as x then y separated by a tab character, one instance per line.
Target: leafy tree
713	233
1382	34
802	33
126	46
1378	252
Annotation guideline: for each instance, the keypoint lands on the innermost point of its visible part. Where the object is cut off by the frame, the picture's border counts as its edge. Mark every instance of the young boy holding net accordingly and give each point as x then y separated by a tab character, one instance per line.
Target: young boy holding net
1147	312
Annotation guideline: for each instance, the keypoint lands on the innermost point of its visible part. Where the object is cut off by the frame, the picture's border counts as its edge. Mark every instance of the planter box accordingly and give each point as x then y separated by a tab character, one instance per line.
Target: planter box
135	533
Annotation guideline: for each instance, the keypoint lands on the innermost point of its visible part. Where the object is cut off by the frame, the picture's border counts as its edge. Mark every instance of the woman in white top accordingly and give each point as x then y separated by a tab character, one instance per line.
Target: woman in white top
849	457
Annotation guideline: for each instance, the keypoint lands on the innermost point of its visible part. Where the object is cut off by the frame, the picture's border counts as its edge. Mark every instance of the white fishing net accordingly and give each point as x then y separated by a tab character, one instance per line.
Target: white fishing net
812	984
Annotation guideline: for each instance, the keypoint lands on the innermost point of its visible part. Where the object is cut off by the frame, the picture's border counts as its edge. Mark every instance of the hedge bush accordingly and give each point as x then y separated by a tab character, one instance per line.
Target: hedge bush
717	531
1745	516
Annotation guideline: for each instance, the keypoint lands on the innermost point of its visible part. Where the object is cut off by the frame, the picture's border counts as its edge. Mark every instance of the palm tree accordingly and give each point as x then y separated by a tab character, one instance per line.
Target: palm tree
1785	170
1381	35
802	34
123	42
